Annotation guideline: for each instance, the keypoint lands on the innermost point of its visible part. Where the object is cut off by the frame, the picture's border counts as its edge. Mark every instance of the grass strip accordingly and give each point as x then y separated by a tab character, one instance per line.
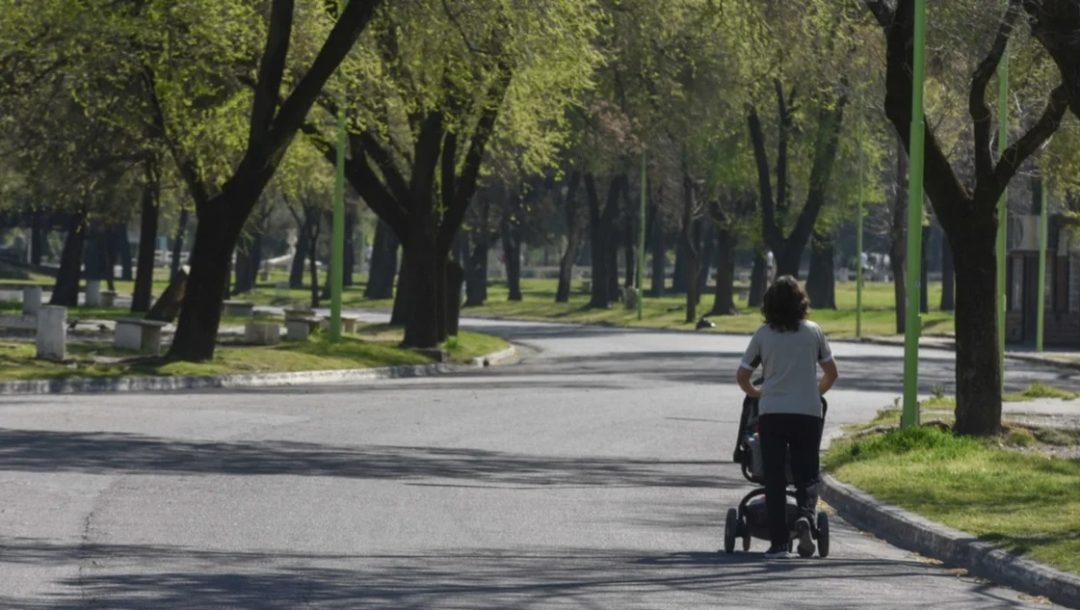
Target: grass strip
1026	503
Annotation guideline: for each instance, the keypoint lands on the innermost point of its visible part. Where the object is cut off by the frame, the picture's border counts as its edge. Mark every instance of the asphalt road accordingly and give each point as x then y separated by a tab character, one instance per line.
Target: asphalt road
593	475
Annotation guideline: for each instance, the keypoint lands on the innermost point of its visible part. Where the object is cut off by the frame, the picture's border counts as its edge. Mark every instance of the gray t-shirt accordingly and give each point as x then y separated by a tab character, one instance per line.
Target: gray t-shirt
789	363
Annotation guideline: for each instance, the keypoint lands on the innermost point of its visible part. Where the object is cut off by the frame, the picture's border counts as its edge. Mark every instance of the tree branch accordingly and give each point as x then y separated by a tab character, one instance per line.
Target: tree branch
977	106
771	231
271	68
1035	138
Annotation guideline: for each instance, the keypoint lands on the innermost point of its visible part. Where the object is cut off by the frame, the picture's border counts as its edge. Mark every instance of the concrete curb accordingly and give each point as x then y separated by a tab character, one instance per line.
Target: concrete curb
956	548
172	384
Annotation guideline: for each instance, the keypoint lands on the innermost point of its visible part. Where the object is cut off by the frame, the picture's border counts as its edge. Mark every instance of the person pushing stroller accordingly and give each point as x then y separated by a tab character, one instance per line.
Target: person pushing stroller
790	349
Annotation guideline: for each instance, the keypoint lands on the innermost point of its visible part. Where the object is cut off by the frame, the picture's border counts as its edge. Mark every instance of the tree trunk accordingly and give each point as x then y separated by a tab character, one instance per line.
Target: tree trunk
39	237
511	242
821	280
924	298
383	266
600	295
421	271
630	254
178	244
123	250
708	253
300	254
759	279
314	229
573	239
659	254
94	254
110	252
401	310
349	262
66	289
200	315
948	276
476	272
245	265
678	275
692	235
148	225
898	237
724	304
978	376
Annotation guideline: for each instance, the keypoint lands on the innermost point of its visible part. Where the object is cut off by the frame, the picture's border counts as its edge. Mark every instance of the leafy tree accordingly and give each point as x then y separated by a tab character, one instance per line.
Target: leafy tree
966	206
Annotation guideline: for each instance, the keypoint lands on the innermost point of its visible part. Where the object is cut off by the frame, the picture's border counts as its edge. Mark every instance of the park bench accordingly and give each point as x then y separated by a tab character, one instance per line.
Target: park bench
108	298
138	334
239	308
299	328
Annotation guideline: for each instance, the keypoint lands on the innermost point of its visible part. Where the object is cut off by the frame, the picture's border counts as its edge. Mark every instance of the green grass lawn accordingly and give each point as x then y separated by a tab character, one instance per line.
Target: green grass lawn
1026	503
371	347
669	312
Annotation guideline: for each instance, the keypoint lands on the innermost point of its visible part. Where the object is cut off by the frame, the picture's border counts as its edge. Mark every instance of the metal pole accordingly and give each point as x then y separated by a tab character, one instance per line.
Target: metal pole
641	240
337	251
912	321
859	247
1040	307
1002	210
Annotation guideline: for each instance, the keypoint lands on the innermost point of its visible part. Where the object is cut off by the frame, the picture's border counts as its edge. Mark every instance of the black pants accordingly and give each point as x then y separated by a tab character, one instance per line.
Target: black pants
802	435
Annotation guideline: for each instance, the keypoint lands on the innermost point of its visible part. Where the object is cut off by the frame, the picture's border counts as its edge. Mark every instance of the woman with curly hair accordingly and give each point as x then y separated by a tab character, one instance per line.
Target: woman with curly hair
790	349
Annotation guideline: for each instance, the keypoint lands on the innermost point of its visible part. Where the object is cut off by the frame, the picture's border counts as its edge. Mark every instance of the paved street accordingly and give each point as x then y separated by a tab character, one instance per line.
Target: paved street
593	475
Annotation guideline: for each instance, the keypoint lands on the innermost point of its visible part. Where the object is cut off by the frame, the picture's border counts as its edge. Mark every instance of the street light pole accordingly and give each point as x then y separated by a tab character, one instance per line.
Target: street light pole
912	322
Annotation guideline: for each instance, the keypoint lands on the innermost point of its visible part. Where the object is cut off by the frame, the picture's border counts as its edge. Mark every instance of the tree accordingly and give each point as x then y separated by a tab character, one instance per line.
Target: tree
416	150
967	209
273	124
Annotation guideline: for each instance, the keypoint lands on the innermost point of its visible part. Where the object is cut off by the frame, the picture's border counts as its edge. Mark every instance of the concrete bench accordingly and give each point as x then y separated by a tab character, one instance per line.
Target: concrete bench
92	298
108	298
141	335
299	329
262	332
239	308
348	325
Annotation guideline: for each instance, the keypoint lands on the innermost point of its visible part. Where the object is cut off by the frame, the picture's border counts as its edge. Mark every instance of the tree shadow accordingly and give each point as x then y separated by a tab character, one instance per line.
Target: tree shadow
118	453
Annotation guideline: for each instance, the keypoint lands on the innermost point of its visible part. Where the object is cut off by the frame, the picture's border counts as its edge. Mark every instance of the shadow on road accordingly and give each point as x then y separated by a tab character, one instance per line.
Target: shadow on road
116	453
485	578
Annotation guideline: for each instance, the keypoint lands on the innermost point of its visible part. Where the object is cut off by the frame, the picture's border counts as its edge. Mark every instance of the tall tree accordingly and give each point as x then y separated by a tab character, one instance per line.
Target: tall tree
967	209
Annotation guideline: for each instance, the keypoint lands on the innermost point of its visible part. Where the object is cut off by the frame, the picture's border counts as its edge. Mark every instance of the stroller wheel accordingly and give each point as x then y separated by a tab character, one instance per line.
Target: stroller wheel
746	537
731	525
823	535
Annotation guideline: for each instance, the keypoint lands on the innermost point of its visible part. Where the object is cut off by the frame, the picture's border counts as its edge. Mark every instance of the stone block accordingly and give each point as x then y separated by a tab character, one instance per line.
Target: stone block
348	325
239	308
93	293
141	335
262	333
108	298
52	332
31	300
299	329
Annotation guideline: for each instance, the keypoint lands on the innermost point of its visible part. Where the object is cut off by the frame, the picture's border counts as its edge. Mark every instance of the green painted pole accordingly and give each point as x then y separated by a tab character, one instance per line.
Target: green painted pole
1003	210
337	250
1040	307
859	247
641	241
912	322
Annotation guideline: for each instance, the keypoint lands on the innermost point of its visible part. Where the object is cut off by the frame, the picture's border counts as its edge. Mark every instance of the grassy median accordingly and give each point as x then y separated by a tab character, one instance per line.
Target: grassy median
371	348
1003	492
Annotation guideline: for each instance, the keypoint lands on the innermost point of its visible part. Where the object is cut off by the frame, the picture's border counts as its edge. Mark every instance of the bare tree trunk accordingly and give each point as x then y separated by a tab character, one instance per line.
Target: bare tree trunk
178	244
759	279
821	280
898	237
66	289
724	304
573	238
144	278
948	276
659	253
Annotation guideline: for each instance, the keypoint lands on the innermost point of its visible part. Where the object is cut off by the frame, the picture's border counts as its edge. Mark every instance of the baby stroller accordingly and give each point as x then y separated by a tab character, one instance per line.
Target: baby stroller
750	519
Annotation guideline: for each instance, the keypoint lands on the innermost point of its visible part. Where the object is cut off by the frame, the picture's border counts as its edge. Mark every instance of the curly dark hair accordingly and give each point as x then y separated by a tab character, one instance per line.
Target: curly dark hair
785	304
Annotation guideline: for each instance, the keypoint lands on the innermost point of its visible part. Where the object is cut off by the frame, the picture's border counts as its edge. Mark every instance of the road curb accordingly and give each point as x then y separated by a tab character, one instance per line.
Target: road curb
173	384
955	548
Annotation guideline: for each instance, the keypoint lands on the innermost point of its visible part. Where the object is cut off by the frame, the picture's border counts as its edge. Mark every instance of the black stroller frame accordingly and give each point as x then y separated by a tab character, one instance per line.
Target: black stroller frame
749	519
